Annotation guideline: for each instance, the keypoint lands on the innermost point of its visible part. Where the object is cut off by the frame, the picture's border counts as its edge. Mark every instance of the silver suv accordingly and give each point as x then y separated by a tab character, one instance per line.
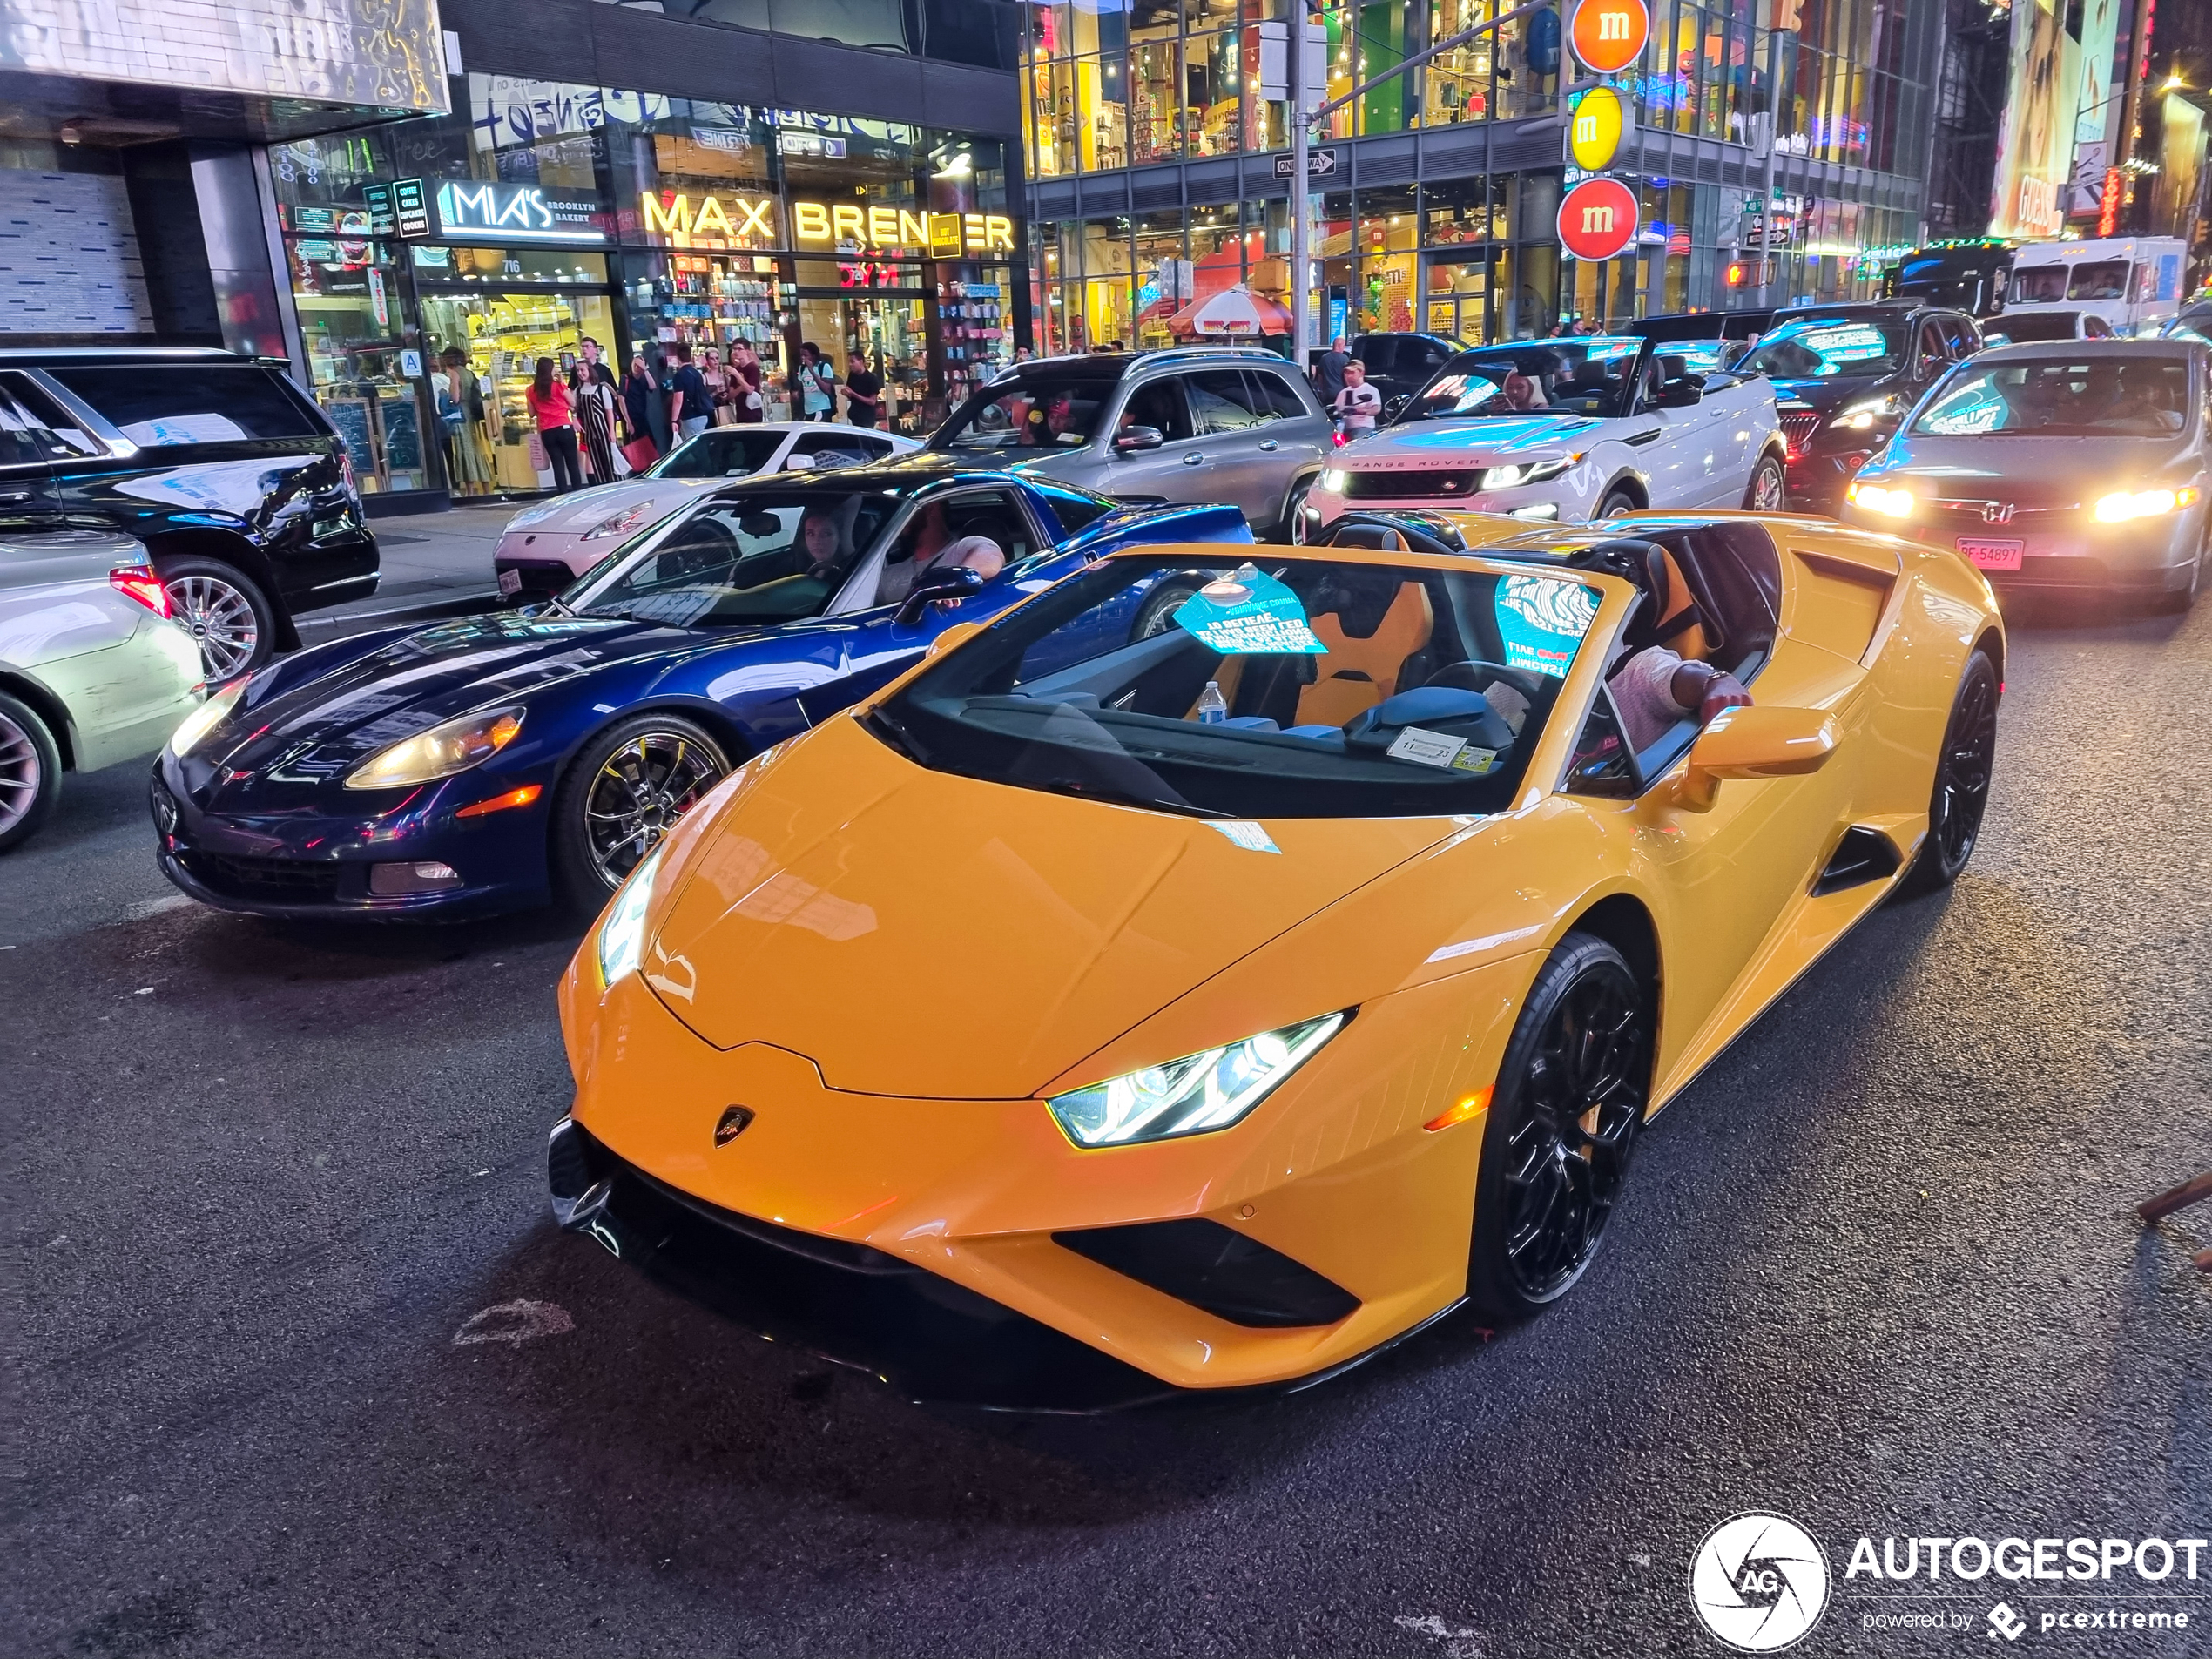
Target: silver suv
1190	424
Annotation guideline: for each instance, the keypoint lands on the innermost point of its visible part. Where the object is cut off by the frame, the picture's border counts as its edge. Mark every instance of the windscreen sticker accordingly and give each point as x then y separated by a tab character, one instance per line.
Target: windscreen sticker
1542	620
1427	748
1847	345
1253	838
1604	351
1248	610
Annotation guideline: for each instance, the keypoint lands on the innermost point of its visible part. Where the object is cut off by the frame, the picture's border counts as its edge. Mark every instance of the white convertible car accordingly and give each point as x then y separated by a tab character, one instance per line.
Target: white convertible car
1573	428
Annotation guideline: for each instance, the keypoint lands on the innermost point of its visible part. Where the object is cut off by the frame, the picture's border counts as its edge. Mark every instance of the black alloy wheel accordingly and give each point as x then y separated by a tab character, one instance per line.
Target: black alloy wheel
1768	488
31	772
622	794
1616	503
1963	770
1568	1101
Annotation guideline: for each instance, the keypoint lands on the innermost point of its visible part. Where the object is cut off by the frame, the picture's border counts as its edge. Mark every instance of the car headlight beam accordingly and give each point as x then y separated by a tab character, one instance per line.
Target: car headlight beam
1878	498
1533	472
621	935
1192	1095
1333	480
195	726
622	522
2125	504
453	746
1859	416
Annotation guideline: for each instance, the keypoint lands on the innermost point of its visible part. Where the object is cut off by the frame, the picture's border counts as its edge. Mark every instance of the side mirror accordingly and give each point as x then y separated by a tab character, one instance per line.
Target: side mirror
798	464
1754	741
1392	408
1683	393
1131	439
934	587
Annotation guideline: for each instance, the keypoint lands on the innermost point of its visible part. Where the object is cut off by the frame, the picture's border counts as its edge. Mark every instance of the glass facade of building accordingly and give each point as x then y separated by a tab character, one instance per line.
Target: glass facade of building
540	213
1125	86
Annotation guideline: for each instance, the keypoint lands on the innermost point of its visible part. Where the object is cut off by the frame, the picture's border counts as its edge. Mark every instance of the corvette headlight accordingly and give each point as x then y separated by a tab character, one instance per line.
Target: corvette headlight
1193	1095
1333	480
1533	472
1860	416
622	936
622	522
2142	503
1894	504
205	718
441	751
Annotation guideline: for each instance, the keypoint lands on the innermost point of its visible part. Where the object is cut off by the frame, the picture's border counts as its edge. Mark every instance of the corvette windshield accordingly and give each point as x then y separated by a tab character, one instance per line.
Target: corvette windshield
1592	377
766	556
730	453
2104	397
1295	688
1832	348
1038	412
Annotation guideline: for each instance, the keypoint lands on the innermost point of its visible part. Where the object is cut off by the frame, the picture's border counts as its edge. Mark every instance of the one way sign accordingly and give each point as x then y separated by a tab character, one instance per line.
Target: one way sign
1319	164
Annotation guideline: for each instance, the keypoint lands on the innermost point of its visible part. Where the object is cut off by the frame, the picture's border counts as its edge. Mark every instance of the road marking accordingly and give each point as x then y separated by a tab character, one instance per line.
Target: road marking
516	1322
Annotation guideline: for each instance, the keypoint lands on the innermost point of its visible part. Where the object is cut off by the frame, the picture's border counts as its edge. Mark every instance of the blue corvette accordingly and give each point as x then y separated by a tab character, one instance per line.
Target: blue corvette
501	761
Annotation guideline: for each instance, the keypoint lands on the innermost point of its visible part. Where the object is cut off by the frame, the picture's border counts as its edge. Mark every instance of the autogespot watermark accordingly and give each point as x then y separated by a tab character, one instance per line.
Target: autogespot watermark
1761	1582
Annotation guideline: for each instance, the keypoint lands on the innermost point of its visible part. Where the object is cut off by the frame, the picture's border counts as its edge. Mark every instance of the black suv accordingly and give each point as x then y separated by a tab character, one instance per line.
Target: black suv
226	471
1846	376
1399	365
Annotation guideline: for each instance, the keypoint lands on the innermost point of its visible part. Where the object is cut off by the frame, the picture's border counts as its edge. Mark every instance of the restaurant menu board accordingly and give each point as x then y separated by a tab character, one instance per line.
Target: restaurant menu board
403	432
350	417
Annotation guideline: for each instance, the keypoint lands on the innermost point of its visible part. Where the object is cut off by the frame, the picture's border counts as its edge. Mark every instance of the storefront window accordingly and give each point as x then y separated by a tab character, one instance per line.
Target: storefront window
364	356
1155	112
502	334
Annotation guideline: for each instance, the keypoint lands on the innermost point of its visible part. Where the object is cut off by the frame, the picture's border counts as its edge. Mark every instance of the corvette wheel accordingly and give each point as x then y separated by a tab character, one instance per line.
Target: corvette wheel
230	620
1961	782
1156	614
1615	504
1564	1116
622	794
31	772
1767	488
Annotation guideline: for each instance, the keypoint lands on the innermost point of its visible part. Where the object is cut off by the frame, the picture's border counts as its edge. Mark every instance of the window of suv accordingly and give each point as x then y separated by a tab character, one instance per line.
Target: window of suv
159	404
1275	394
1039	411
1222	401
1821	348
33	430
1159	404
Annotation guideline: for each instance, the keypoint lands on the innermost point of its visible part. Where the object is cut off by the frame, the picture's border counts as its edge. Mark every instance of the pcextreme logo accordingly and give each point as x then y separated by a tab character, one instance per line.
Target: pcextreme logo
1759	1582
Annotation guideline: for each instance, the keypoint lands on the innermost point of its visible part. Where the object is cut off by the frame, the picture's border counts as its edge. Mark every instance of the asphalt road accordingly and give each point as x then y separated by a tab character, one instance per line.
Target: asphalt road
1878	1273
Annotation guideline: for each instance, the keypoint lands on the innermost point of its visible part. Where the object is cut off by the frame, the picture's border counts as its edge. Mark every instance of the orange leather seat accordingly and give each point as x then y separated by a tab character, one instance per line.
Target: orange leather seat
1361	671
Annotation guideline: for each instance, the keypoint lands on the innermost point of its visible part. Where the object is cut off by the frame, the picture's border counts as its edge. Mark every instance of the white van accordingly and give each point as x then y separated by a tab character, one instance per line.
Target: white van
2133	282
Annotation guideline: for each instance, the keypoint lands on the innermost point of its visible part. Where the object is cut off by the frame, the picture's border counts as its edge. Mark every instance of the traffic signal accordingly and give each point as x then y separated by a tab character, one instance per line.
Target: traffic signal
1735	275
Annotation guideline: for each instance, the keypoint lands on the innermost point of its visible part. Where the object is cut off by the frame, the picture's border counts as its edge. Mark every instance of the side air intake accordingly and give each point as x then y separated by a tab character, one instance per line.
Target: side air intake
1216	1269
1862	855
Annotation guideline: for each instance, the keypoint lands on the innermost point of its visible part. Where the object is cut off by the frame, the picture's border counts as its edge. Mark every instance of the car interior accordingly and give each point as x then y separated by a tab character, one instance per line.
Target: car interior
762	556
2114	397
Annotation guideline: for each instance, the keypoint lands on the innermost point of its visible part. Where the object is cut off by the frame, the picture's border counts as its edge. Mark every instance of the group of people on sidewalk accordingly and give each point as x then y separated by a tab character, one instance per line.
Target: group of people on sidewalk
595	427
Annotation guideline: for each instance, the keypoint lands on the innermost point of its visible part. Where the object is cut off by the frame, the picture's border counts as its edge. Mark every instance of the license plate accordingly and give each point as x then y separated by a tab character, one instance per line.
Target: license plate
510	581
1993	555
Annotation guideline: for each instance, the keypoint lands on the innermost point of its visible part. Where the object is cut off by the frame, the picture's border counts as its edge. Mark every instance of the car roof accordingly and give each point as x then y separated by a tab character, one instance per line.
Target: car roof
909	470
1107	366
2180	350
122	356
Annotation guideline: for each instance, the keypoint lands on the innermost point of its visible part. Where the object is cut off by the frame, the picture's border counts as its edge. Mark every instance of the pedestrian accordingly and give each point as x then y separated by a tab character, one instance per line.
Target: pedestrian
1021	353
599	411
1328	372
745	383
639	397
1357	403
718	387
554	412
663	394
461	407
689	407
864	395
817	384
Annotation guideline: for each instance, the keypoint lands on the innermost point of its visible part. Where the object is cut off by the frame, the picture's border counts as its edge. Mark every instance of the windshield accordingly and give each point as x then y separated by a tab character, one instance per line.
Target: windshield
2107	280
766	555
1835	347
730	452
1337	690
2106	397
1594	376
1037	412
2038	285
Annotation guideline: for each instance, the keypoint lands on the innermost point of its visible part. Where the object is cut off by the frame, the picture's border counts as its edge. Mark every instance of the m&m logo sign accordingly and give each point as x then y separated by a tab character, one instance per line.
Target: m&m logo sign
1609	34
1597	219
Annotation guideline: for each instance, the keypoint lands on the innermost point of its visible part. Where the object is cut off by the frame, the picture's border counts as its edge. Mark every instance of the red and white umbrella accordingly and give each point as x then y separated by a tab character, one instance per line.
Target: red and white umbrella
1234	313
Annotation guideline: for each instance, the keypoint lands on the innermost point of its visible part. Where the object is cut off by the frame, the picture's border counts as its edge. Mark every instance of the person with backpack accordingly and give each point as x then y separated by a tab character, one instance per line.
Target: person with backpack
817	384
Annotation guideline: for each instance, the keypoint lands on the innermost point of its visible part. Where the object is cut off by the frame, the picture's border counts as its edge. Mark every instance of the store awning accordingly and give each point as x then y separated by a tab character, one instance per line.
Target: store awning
1234	313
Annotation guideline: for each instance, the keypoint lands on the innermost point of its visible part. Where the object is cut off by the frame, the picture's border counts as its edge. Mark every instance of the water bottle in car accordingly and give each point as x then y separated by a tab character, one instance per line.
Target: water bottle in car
1213	708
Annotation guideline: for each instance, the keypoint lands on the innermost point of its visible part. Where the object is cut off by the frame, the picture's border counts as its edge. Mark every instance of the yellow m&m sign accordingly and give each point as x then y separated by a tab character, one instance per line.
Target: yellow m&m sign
1600	119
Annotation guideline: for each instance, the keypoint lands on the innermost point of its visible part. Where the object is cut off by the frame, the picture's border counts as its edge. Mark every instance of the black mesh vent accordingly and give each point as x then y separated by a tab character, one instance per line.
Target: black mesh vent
1216	1269
1862	855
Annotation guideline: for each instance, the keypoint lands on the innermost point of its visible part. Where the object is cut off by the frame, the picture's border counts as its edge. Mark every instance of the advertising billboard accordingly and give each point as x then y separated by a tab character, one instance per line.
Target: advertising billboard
2035	145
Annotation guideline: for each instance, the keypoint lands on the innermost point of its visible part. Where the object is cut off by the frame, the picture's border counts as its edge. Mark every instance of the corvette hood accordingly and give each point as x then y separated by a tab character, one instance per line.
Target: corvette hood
918	934
587	509
1501	440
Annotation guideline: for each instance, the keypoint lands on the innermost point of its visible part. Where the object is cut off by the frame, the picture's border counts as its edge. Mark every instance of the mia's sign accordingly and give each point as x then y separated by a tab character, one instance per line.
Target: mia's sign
484	211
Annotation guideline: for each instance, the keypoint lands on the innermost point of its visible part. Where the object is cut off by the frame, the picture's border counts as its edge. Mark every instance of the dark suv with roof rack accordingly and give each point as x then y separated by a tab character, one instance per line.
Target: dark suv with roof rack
228	472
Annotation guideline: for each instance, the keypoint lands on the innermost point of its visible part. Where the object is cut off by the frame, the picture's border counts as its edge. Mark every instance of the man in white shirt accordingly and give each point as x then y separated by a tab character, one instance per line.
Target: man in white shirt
1358	404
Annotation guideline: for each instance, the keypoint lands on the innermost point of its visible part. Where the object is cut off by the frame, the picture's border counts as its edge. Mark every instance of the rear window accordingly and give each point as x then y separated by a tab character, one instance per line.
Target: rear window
157	405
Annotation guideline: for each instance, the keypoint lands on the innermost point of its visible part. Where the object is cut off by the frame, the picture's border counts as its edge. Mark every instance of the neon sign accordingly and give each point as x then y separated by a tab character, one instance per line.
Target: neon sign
515	213
751	221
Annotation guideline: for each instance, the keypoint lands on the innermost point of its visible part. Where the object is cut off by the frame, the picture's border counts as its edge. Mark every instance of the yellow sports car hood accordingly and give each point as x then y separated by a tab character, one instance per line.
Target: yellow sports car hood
918	934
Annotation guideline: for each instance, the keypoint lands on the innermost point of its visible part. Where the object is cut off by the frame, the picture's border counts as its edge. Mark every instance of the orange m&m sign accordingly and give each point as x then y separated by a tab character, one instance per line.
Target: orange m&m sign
1609	34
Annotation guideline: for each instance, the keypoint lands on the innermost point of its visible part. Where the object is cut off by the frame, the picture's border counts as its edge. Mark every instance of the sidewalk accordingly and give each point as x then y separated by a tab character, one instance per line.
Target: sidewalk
433	564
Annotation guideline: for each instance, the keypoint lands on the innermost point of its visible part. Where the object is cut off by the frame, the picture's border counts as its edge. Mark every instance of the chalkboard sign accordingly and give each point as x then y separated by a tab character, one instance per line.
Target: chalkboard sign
350	417
402	433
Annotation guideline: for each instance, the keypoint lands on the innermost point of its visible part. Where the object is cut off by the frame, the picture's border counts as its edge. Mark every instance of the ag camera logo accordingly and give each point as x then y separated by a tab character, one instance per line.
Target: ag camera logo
1759	1582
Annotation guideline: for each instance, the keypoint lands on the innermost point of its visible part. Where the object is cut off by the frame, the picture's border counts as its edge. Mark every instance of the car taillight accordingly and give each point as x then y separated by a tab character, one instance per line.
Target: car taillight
144	586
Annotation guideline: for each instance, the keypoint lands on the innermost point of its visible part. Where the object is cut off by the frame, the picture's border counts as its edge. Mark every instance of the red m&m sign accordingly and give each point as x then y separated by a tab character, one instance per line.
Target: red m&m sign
1597	219
1609	34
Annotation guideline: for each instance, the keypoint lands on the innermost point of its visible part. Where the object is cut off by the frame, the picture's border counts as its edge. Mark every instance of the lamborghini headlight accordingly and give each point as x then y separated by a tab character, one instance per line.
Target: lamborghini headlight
205	718
622	522
621	935
1333	480
1193	1095
1533	472
1859	416
442	751
2141	503
1875	498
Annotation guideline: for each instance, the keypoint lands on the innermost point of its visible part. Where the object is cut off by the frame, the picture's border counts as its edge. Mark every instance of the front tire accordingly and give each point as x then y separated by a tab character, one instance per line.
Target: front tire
1768	488
1564	1114
231	619
1963	769
1293	526
31	773
1617	503
622	793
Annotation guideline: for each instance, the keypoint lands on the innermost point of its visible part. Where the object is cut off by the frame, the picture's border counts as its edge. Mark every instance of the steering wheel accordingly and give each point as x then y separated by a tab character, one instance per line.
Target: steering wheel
1475	675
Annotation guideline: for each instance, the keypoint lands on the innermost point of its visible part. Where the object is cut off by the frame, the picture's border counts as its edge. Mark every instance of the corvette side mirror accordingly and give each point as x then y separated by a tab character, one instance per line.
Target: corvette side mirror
953	584
1754	741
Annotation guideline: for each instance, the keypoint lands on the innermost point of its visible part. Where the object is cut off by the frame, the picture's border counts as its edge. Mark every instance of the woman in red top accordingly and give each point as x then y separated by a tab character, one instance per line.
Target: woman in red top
554	412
